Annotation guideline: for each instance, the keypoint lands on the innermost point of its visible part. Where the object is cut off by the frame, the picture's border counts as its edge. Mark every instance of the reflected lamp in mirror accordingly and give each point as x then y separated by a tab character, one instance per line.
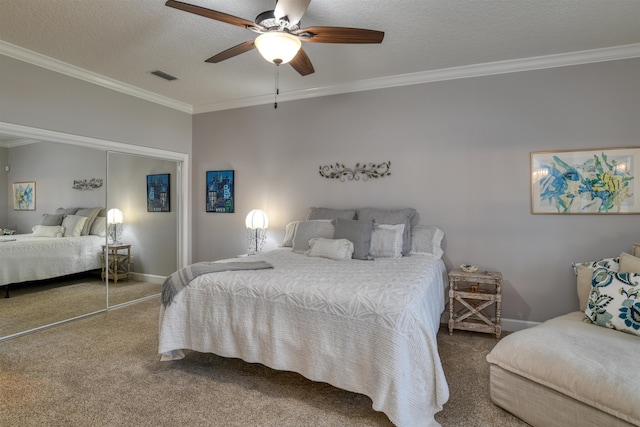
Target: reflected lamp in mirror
114	220
257	223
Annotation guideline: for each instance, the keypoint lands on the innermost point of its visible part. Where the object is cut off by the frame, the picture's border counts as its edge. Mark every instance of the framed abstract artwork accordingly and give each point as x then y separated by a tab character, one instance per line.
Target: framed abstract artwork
158	193
600	181
24	196
220	191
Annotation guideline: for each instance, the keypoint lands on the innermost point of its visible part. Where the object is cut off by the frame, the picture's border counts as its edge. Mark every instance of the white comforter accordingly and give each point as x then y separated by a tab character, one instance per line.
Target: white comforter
364	326
37	258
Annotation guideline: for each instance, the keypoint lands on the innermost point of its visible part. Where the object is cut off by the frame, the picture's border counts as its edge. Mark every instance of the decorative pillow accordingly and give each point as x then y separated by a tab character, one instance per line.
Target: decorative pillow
73	225
99	227
337	249
612	264
426	240
91	214
289	232
48	231
67	211
393	217
328	213
7	232
386	241
614	301
629	263
307	230
636	249
48	219
358	233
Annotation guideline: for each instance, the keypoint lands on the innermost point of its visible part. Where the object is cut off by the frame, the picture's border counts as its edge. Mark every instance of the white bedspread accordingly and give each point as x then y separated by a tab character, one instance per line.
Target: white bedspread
37	258
364	326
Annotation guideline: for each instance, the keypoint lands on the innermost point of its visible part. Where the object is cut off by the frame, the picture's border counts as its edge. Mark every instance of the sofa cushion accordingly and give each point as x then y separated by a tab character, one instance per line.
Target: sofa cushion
596	366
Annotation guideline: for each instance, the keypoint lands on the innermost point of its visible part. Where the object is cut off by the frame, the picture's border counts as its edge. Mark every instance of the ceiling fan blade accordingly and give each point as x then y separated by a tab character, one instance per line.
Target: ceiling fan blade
339	35
292	9
302	64
231	52
212	14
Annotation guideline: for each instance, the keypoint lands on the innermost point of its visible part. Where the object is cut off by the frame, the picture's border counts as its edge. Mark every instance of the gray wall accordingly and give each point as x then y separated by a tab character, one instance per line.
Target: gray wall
460	154
53	167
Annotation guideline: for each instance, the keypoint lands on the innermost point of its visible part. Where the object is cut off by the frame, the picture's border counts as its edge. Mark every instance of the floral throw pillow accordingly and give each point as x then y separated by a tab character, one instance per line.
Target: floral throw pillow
614	301
612	264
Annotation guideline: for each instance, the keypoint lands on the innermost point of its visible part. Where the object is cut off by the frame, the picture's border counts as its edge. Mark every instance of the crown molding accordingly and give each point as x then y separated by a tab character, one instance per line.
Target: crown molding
463	72
476	70
52	64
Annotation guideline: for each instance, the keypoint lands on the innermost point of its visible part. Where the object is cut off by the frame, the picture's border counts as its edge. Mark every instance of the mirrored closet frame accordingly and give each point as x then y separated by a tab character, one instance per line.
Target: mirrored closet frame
181	199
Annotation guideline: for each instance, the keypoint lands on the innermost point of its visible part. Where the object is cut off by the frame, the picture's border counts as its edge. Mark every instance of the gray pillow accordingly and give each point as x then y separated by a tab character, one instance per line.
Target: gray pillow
392	217
329	213
307	230
358	233
289	232
67	211
51	219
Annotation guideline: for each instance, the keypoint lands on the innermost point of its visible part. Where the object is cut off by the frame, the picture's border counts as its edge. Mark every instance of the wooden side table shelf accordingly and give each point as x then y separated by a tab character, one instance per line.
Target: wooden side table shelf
119	261
474	294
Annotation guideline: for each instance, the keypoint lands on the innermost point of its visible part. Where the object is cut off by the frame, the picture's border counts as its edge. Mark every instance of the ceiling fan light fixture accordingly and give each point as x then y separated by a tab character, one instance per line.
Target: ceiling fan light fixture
278	47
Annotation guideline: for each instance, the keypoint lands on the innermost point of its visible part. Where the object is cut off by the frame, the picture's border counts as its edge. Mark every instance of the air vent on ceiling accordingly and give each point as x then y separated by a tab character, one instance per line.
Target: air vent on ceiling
163	75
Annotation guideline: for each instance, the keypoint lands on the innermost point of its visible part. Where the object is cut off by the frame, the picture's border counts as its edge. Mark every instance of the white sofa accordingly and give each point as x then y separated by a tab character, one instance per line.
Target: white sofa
565	372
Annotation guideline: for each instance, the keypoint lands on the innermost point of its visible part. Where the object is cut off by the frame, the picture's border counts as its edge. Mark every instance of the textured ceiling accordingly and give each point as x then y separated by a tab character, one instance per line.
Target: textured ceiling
123	40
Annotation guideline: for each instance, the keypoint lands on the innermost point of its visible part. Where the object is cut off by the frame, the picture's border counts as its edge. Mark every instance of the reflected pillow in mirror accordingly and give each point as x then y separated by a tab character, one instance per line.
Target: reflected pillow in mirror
99	227
48	231
49	219
73	225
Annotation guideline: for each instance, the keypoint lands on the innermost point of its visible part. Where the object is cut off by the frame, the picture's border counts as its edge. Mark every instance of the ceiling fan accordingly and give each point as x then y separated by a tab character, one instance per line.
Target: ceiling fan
280	35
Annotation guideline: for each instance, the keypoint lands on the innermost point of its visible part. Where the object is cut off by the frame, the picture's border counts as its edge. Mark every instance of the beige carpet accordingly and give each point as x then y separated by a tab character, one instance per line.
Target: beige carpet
35	304
104	371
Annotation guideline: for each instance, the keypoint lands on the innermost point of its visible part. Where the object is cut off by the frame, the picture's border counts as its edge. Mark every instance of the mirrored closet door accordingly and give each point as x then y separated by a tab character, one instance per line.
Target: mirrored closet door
53	277
70	171
142	200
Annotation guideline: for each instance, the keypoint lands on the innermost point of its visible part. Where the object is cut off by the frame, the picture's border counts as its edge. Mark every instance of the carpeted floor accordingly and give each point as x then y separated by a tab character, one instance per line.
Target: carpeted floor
35	304
104	371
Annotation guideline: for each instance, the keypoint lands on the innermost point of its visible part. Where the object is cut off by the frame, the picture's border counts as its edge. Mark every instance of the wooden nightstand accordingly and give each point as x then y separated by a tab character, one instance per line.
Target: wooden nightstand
471	296
119	256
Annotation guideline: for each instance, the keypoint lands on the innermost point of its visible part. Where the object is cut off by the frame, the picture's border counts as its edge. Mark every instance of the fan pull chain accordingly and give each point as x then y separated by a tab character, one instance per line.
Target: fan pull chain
275	102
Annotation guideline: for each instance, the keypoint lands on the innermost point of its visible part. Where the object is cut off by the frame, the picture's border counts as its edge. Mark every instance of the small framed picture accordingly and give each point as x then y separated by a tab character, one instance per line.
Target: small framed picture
220	191
158	193
24	196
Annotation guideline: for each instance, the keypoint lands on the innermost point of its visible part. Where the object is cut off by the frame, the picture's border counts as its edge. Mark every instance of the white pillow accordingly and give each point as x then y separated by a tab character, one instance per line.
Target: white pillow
387	241
91	214
73	225
99	227
289	232
47	231
307	230
337	249
426	240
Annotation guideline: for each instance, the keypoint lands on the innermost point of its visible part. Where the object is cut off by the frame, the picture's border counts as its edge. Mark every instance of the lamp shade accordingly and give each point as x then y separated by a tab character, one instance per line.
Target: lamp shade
114	216
278	47
257	219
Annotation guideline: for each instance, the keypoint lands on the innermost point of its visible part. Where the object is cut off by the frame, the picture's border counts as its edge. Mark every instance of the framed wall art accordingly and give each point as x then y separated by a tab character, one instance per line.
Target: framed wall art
24	196
220	191
600	181
158	193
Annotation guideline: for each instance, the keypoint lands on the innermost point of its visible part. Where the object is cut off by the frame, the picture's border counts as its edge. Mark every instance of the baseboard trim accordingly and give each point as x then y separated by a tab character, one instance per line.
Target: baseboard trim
151	278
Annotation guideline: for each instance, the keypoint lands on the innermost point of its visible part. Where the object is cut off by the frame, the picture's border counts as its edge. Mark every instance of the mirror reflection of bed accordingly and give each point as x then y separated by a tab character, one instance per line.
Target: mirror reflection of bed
54	167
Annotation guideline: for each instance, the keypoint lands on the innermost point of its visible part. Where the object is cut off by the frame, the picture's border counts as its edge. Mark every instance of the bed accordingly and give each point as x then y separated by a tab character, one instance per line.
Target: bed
364	326
47	253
